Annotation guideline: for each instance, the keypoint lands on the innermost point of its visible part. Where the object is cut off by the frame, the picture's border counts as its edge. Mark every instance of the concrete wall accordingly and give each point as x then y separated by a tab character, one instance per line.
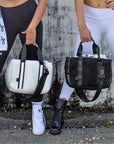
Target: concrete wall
60	31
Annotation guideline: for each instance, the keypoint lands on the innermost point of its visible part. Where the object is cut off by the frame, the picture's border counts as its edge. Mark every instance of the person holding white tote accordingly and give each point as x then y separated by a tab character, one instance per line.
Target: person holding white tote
23	17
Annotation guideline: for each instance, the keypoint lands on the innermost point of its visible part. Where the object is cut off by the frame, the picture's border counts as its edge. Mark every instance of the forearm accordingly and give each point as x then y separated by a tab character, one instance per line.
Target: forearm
79	6
38	13
85	34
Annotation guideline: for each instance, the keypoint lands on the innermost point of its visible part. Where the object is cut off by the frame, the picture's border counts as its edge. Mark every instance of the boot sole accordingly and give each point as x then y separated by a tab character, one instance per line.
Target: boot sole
55	132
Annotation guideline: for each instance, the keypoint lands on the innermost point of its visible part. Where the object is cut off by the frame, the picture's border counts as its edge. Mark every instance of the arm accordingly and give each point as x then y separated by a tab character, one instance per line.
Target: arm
38	13
85	34
31	30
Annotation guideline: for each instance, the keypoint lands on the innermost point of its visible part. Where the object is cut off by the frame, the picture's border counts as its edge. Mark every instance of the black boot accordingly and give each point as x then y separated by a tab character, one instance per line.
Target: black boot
58	120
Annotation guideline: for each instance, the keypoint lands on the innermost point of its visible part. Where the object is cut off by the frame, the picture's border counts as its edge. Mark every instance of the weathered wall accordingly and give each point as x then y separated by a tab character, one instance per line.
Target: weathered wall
60	30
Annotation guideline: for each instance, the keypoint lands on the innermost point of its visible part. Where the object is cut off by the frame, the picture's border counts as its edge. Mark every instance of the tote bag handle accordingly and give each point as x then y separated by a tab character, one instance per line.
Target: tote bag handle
23	53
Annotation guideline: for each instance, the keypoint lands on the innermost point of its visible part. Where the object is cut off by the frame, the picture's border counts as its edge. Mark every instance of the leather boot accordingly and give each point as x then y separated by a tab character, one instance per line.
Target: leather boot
58	120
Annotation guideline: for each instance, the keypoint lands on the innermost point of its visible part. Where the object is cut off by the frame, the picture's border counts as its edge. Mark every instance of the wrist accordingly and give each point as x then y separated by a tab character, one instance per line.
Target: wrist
82	27
83	24
32	26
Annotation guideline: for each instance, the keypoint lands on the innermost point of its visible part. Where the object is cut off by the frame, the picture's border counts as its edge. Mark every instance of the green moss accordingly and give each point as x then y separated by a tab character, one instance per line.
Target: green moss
109	124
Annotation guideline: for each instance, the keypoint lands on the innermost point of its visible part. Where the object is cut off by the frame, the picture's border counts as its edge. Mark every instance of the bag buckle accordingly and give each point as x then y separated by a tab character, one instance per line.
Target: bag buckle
101	70
46	70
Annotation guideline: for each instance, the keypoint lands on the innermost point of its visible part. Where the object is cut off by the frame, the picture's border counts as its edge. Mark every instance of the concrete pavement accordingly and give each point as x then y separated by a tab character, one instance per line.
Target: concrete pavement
79	128
68	136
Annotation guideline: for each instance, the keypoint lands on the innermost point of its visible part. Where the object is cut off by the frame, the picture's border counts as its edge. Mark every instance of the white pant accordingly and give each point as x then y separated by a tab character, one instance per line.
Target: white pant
98	21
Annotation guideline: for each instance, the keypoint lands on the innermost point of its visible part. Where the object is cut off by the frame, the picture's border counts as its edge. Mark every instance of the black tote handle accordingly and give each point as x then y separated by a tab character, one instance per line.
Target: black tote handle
23	54
96	49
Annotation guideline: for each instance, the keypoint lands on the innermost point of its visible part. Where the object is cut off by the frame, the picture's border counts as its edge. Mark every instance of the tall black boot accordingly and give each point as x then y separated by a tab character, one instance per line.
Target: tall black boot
58	120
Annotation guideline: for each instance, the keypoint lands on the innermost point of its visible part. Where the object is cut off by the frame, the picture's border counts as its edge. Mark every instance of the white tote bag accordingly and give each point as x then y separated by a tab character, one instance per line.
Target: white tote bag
23	76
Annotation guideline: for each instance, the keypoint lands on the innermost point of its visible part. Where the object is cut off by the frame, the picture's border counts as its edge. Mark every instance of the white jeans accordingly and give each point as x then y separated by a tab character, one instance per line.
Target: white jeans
98	21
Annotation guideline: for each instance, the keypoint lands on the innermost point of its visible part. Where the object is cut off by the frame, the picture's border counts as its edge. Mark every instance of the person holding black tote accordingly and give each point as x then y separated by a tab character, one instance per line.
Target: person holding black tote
94	18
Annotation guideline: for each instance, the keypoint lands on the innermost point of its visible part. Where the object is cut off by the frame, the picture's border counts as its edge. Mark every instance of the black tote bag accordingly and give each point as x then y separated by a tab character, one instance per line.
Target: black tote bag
88	73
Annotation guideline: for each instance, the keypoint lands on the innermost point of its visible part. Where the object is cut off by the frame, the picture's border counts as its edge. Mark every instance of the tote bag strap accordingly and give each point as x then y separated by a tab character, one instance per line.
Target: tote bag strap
83	96
41	83
23	53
